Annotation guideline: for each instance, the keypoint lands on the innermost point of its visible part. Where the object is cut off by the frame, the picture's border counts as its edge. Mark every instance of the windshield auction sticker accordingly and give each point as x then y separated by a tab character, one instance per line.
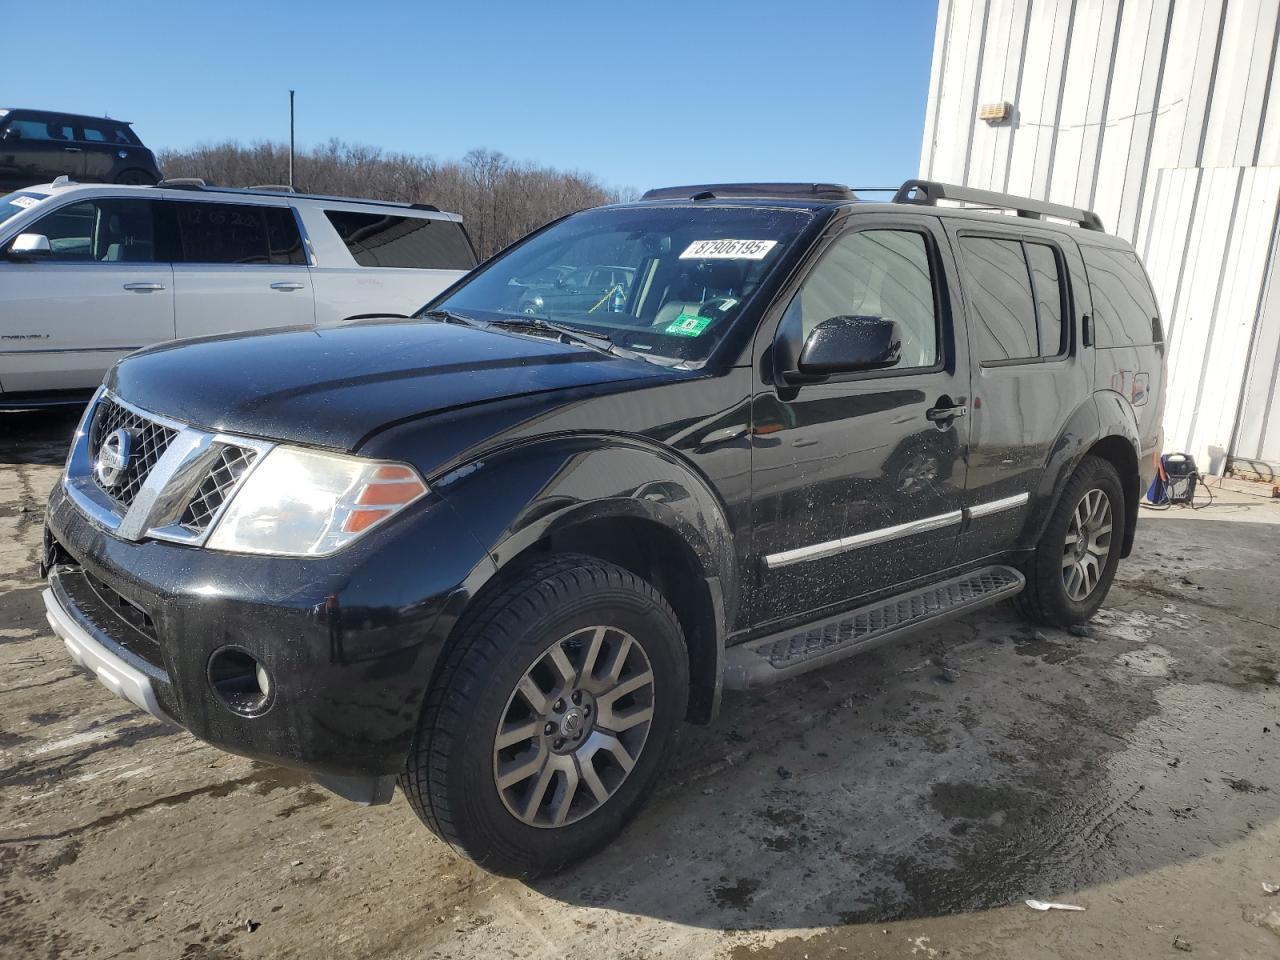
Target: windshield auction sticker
687	325
728	249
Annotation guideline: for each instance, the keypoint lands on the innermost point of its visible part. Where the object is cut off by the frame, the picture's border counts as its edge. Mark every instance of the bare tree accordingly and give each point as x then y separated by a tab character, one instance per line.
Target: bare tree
500	199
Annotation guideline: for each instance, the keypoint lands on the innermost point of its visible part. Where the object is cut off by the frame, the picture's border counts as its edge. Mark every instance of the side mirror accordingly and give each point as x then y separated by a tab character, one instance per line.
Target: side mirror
849	343
29	246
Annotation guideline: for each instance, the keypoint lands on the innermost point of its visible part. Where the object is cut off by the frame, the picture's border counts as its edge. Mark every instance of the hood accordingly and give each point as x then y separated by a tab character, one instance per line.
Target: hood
333	386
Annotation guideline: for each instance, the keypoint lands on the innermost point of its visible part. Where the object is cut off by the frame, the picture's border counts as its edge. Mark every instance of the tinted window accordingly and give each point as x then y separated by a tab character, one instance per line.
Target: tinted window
103	231
878	273
387	241
1124	309
106	131
222	232
40	130
1003	325
283	239
1050	297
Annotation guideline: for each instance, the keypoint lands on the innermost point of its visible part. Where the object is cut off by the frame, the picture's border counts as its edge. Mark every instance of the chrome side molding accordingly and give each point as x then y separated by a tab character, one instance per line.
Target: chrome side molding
830	548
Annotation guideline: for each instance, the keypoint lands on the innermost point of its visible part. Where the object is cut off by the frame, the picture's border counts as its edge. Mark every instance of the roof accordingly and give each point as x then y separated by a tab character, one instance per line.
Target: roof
64	113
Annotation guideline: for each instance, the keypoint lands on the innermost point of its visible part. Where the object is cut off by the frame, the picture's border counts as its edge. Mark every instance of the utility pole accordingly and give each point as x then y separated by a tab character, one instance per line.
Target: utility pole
290	139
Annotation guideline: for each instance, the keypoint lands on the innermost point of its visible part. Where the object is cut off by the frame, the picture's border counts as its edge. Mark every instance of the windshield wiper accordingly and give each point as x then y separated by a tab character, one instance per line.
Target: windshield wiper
589	337
597	341
449	316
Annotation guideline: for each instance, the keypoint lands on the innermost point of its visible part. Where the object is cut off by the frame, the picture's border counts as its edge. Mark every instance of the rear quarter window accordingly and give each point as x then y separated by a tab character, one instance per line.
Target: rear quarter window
1124	308
421	243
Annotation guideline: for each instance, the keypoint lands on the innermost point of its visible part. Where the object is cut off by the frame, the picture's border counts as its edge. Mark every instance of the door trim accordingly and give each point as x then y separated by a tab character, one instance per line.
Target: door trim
995	506
830	548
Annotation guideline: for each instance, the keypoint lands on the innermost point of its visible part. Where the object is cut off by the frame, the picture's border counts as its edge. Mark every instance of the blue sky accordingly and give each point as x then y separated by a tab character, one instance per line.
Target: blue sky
640	94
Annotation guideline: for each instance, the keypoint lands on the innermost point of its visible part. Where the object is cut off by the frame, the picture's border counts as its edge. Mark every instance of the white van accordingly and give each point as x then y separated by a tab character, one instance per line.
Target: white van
91	272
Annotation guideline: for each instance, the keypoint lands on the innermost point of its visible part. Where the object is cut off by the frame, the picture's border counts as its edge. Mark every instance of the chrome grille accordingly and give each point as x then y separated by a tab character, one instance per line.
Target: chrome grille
150	440
224	473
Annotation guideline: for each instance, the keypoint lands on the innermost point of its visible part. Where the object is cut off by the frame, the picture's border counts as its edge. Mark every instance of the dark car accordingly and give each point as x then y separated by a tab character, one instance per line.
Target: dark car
37	146
499	557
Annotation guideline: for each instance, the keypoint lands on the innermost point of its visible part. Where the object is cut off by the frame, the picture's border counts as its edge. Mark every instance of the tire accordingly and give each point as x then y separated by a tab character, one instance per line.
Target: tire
1054	595
506	641
137	178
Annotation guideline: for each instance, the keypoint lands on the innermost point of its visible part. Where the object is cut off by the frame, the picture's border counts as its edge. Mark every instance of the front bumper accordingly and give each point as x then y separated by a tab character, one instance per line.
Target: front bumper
90	648
350	641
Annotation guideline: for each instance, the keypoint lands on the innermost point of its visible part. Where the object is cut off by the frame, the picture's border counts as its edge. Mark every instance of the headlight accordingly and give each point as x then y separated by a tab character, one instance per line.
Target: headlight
303	503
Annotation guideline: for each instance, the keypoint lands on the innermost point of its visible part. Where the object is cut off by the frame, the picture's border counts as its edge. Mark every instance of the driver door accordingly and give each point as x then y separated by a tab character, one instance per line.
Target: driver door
858	479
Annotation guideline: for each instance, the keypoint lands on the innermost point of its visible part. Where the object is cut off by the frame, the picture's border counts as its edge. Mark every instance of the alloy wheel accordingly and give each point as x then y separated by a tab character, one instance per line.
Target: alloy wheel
574	727
1087	546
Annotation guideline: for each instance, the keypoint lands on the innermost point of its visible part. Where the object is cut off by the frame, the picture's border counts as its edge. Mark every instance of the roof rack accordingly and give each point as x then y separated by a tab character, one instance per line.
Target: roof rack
929	192
755	191
196	183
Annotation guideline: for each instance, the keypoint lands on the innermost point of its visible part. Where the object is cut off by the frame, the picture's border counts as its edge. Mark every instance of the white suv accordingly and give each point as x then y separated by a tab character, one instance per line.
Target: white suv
91	272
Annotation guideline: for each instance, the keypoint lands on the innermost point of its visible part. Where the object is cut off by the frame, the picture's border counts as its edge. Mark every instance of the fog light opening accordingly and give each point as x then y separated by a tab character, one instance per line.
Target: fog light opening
240	681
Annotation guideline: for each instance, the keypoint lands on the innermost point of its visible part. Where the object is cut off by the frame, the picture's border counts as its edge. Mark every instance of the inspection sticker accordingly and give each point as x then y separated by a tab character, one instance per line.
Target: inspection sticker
687	325
728	249
24	202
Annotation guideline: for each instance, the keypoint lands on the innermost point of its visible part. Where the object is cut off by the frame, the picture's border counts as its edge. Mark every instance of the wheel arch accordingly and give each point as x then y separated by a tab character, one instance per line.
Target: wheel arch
669	528
1120	453
1103	425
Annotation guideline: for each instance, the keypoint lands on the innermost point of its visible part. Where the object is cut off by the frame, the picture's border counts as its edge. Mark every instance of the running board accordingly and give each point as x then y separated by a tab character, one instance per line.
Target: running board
759	663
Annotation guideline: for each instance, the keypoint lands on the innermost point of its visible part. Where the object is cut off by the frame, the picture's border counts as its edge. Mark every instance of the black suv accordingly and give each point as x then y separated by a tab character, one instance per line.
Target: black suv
37	146
499	555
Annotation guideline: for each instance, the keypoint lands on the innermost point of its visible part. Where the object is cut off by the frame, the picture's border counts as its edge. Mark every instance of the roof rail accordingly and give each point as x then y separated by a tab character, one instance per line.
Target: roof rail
183	183
754	191
196	183
929	192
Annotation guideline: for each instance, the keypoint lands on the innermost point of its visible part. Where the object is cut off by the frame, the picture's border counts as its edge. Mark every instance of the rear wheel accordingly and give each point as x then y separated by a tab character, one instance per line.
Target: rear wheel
1075	563
136	178
552	717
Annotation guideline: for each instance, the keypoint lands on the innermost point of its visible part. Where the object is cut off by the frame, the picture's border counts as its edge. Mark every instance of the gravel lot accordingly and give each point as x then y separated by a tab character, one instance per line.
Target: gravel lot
902	804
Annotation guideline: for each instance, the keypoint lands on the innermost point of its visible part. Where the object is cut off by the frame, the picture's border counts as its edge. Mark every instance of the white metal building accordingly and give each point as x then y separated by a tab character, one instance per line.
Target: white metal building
1164	117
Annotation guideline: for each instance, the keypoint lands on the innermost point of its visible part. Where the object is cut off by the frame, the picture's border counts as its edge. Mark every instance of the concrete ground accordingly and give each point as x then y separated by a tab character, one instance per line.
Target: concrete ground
882	808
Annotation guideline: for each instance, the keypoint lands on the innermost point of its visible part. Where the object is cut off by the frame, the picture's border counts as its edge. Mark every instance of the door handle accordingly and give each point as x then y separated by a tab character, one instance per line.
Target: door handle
941	414
73	150
144	287
287	285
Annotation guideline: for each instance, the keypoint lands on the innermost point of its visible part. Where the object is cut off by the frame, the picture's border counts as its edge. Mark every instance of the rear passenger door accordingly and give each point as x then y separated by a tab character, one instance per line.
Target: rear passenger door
393	261
1027	378
241	267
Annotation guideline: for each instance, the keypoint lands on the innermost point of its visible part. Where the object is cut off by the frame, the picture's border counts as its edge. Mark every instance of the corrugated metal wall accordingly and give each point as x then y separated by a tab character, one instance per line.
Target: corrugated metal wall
1164	117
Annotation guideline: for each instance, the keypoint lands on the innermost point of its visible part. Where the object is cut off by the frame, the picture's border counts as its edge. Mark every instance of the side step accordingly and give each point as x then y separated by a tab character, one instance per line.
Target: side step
767	660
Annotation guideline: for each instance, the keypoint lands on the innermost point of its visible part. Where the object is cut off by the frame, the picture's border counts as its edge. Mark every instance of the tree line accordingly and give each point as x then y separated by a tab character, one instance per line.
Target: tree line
500	199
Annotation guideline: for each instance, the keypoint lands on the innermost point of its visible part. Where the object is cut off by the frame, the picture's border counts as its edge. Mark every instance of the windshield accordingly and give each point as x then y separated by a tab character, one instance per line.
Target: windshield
13	204
667	281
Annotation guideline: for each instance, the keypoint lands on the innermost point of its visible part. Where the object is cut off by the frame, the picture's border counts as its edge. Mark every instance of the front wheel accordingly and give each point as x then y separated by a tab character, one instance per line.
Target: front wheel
552	717
1073	566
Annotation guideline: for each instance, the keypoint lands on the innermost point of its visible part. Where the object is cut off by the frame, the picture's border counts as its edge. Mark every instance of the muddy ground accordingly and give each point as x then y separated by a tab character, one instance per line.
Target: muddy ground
903	804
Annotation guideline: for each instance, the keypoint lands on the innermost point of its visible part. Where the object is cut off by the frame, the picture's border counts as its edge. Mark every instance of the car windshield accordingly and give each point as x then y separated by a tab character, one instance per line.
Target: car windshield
13	204
662	280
